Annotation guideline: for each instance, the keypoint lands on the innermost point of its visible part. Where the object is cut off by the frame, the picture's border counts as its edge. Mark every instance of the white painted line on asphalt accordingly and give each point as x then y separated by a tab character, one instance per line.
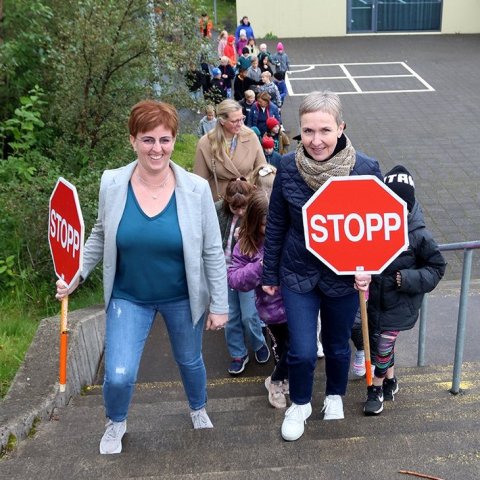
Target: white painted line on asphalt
356	76
420	79
311	67
352	78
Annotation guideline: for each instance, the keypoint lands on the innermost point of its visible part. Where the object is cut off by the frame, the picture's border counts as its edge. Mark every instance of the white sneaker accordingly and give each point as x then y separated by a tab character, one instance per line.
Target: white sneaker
320	353
333	408
359	363
286	387
276	397
200	419
111	441
294	423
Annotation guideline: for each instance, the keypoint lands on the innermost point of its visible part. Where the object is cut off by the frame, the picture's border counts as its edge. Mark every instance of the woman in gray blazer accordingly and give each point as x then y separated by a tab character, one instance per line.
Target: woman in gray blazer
158	236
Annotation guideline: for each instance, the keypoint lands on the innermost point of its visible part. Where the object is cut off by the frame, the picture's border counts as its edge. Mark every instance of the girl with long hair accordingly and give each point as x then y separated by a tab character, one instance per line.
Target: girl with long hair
245	274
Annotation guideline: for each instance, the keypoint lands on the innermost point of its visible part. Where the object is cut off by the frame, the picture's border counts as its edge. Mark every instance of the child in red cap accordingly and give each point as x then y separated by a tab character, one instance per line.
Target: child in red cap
271	155
280	139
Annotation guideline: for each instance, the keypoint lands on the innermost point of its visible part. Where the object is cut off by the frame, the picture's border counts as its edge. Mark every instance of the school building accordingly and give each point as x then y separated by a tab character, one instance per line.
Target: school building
336	18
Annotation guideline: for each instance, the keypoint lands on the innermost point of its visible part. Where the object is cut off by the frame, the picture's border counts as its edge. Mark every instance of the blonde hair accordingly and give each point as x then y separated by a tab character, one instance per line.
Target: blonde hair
249	94
263	177
216	136
209	109
266	74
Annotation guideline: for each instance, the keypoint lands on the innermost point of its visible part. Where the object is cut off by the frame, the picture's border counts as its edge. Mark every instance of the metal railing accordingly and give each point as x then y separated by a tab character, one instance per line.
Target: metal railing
467	248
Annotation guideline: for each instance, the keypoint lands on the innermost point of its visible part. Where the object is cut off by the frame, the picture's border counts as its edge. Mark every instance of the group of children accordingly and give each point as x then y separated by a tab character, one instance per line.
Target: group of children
241	67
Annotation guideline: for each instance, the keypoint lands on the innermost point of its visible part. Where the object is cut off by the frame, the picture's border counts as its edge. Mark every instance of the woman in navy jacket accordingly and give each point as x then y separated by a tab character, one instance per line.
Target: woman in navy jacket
261	111
307	284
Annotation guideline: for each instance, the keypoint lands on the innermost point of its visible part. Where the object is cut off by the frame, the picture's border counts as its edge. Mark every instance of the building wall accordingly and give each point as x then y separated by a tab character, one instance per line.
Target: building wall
295	18
461	16
328	18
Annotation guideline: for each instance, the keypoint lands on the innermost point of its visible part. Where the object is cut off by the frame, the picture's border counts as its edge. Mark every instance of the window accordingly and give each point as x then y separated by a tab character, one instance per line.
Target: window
394	15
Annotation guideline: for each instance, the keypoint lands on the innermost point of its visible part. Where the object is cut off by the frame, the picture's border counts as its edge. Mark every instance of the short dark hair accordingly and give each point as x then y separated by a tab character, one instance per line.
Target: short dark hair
149	114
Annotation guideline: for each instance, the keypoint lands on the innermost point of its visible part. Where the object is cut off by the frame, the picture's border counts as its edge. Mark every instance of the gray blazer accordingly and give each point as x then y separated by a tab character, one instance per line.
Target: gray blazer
202	244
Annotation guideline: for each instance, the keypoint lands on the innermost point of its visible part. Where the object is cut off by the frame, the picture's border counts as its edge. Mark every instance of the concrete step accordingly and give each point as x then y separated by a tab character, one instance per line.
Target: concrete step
145	456
425	428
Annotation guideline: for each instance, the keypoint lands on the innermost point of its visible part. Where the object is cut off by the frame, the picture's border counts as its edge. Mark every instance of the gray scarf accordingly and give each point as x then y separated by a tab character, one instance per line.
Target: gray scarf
317	173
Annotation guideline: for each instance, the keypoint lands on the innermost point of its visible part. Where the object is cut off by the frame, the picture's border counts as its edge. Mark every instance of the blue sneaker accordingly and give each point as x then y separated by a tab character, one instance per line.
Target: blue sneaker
238	365
262	354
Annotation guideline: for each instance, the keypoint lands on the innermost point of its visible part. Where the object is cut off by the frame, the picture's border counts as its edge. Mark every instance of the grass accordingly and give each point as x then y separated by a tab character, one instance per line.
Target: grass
184	154
18	324
16	333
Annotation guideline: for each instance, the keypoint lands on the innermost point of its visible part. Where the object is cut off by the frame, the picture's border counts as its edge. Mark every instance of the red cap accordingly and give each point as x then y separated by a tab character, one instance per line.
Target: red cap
271	122
230	39
267	142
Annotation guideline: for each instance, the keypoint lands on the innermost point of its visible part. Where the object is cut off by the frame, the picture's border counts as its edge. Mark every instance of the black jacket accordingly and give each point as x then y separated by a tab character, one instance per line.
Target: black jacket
286	260
422	266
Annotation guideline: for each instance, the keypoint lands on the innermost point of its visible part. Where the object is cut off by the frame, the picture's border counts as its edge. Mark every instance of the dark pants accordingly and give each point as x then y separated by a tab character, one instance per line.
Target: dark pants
337	317
279	339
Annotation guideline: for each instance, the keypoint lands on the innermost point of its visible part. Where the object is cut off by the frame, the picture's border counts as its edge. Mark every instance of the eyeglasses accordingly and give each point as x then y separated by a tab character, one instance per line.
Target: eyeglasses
150	141
238	122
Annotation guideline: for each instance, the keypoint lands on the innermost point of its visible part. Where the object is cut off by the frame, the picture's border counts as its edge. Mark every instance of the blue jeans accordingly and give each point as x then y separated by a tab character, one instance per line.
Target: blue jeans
243	321
127	329
337	317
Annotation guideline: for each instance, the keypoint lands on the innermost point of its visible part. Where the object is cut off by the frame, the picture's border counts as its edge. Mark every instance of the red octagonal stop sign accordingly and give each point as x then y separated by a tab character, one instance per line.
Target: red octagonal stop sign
355	224
65	231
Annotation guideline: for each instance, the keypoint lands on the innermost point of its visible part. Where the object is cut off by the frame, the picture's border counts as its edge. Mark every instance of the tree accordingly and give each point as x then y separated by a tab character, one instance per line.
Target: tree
111	54
25	44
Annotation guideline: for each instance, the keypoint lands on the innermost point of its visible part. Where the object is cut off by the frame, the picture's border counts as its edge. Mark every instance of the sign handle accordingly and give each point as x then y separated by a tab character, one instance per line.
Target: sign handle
63	344
366	339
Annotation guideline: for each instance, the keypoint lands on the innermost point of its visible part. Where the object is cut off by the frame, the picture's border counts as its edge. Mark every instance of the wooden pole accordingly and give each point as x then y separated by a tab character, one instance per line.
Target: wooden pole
63	344
366	339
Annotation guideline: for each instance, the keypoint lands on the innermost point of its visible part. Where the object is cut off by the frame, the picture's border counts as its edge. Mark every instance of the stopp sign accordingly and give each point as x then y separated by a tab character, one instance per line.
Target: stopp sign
65	231
355	224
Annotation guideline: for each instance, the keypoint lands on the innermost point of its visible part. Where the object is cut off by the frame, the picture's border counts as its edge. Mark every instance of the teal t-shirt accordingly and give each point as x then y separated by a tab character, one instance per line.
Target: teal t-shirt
150	262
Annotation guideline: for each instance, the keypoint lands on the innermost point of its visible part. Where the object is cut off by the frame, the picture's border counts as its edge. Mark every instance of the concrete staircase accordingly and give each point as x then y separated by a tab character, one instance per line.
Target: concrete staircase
426	430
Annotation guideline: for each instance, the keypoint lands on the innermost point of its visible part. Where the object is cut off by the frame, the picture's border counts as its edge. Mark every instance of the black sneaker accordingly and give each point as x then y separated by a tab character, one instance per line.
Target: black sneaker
374	403
262	354
390	388
238	365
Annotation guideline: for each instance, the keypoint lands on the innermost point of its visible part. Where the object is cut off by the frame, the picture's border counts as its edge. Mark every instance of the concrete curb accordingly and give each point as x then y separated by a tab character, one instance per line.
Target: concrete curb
35	391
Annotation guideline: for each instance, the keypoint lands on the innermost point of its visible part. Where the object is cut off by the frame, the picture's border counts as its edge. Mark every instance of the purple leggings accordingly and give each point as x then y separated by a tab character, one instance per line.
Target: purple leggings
384	351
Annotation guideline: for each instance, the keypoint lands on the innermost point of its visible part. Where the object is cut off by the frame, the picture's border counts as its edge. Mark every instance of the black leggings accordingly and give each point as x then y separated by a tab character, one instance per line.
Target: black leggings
278	334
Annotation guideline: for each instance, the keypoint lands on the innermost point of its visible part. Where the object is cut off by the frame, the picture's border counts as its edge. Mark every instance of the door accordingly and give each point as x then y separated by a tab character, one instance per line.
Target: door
361	16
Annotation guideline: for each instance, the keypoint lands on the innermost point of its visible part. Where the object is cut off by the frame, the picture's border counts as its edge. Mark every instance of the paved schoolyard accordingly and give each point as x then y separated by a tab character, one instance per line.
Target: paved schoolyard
414	100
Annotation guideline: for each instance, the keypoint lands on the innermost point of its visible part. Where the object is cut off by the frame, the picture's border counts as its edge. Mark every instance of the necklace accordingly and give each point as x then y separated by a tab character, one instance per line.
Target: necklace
150	186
